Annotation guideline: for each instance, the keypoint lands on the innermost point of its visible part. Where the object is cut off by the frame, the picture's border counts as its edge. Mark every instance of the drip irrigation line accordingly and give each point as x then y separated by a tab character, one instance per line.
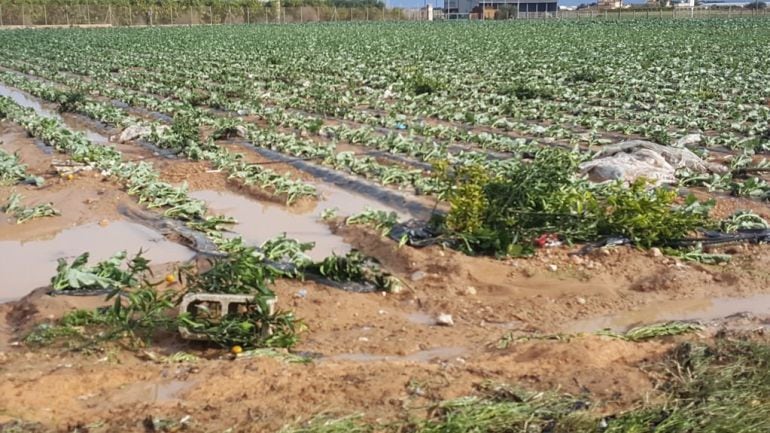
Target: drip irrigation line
313	158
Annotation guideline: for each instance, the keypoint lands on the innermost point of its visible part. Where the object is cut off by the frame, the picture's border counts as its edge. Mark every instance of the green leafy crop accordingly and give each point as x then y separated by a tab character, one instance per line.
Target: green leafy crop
107	274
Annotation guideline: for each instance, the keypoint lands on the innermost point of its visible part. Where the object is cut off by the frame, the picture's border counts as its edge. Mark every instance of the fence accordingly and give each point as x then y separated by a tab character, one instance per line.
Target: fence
109	15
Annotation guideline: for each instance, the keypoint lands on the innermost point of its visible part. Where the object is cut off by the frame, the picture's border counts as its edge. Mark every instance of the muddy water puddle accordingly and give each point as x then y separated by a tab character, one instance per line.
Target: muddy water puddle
71	121
151	392
689	309
436	354
29	265
348	203
259	221
27	101
421	318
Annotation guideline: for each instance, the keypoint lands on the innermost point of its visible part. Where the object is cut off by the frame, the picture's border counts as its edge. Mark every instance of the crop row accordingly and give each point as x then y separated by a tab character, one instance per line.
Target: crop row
662	91
286	143
185	142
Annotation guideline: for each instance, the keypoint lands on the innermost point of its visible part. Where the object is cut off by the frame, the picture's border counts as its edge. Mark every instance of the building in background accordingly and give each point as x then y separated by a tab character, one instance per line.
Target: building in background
716	4
683	3
609	4
468	7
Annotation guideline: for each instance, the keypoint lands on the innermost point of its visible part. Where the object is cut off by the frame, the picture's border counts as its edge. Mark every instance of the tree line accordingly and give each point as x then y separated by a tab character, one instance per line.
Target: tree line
142	4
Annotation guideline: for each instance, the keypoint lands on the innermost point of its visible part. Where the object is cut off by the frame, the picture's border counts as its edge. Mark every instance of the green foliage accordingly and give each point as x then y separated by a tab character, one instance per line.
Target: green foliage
696	254
647	332
467	197
242	271
46	334
421	84
648	217
743	220
12	171
353	267
184	135
253	327
711	388
71	102
505	213
526	91
23	213
327	424
106	274
137	316
142	314
379	219
283	249
508	411
139	311
246	270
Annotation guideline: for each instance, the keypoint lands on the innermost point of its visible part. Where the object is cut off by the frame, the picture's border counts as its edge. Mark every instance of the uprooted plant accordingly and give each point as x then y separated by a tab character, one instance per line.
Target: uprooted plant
253	325
354	267
502	213
24	213
12	171
105	275
247	271
134	316
139	310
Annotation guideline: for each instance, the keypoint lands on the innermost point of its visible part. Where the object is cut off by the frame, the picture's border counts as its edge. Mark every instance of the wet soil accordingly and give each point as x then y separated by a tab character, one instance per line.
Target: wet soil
527	322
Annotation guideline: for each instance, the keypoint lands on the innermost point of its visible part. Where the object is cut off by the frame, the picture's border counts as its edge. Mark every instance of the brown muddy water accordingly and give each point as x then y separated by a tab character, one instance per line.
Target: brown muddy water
259	221
45	110
25	266
430	355
150	392
686	309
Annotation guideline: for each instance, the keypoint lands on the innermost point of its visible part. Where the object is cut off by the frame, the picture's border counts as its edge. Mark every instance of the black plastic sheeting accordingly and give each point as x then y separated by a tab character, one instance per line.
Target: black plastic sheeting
752	236
418	234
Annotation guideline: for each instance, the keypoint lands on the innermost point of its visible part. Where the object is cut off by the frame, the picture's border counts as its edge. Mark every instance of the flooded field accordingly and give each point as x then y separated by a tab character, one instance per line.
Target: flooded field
39	257
704	310
574	235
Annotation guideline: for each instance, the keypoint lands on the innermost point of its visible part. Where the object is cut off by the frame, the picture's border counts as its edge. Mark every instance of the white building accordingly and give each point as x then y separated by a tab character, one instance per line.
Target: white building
475	6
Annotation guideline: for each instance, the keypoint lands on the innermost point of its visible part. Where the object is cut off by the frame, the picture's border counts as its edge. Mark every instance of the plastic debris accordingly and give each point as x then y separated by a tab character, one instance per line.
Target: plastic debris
630	160
444	320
